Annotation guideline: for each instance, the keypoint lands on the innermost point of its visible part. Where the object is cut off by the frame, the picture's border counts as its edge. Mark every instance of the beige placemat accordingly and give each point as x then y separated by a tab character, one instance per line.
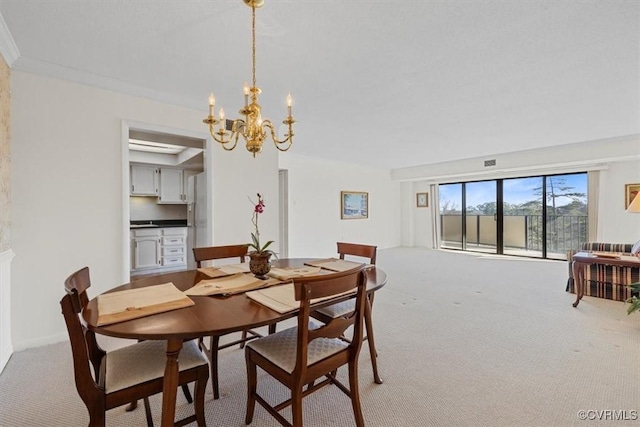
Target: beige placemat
213	272
134	303
287	273
241	267
225	270
278	298
334	264
281	298
229	285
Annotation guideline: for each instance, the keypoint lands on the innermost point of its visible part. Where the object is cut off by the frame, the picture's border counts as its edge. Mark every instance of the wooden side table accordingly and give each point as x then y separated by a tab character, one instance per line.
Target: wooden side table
582	261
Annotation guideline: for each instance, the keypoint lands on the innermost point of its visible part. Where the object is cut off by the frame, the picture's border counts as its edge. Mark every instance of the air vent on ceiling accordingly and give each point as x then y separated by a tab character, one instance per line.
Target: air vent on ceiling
491	162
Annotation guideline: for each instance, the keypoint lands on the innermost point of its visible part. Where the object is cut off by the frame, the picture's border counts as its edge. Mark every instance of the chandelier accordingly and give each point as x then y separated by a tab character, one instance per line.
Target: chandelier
252	128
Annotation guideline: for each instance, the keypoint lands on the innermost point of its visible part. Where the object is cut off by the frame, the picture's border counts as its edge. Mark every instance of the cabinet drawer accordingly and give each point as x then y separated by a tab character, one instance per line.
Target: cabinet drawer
145	232
172	251
173	240
174	231
173	260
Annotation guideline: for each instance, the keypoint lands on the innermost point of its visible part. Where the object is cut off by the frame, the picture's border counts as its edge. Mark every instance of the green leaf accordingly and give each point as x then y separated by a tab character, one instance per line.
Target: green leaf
266	245
634	305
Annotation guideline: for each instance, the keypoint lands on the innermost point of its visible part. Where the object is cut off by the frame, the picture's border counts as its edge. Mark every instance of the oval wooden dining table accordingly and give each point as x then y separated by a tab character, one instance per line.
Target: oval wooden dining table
209	316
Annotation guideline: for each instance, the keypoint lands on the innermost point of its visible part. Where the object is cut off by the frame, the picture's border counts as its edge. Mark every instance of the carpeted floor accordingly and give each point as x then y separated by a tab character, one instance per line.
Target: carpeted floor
463	340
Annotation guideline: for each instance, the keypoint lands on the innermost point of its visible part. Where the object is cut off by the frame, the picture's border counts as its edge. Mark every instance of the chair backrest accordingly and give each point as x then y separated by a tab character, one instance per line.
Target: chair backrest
356	249
309	288
219	252
84	346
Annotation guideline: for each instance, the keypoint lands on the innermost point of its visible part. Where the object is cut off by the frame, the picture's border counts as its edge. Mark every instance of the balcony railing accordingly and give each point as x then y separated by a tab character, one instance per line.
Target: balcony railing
521	232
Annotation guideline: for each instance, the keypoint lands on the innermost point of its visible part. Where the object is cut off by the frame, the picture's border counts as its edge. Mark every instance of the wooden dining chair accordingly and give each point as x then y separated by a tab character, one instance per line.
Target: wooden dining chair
300	355
211	253
129	373
359	251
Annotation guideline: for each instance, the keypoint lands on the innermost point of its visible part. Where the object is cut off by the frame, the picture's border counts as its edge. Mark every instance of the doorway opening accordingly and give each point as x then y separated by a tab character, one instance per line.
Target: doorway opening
166	201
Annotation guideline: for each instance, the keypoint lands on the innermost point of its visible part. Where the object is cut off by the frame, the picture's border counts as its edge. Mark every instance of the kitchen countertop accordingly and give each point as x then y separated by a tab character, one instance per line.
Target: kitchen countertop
159	223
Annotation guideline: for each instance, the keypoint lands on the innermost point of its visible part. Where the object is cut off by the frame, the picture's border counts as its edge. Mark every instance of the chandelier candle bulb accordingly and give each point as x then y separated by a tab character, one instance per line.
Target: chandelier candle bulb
245	89
212	103
289	102
222	121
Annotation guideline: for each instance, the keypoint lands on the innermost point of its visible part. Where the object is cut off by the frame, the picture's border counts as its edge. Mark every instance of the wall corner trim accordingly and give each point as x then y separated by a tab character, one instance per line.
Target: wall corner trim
8	48
6	256
6	346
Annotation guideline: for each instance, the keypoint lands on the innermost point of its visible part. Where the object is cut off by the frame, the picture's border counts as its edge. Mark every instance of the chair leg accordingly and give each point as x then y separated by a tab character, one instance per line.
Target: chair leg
213	350
200	388
252	383
147	412
97	417
296	406
355	394
272	328
371	341
187	393
244	338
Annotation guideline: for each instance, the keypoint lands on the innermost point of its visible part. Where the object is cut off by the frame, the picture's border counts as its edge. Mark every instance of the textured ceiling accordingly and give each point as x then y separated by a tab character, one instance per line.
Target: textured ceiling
385	83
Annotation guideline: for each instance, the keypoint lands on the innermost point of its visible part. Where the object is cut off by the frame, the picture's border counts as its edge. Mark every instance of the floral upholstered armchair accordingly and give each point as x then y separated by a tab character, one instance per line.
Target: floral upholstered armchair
605	281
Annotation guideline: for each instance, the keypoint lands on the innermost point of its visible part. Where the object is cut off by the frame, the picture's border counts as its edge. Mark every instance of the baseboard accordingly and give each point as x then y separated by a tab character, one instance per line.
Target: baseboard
5	354
41	341
6	346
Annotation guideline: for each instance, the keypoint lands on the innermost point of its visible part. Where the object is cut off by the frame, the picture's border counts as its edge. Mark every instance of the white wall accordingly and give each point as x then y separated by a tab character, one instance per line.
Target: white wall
67	172
416	227
147	208
616	225
314	206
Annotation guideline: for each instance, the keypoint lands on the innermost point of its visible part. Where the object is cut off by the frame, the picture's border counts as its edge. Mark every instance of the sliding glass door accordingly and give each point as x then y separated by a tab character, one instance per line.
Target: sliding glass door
539	216
567	222
481	216
522	206
450	216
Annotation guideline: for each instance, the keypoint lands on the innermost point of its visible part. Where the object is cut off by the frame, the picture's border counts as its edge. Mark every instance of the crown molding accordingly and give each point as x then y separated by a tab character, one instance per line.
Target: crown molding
50	70
8	48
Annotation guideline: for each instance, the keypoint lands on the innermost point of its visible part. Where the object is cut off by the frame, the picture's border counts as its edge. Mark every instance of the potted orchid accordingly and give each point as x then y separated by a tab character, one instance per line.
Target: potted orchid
259	263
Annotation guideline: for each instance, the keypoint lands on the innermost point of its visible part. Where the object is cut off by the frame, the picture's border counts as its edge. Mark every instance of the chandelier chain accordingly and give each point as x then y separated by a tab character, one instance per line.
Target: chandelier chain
253	44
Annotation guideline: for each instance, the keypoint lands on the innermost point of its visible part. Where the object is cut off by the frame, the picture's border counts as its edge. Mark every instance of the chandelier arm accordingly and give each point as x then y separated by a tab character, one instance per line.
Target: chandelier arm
287	140
213	135
239	126
221	139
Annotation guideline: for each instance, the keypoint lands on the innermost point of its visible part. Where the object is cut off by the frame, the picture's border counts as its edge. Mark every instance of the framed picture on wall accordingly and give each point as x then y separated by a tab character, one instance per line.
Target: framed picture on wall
630	192
422	200
354	205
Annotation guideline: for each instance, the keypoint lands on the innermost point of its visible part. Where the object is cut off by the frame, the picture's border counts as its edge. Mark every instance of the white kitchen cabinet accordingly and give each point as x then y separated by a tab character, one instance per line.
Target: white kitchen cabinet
146	249
174	247
144	180
156	250
171	187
